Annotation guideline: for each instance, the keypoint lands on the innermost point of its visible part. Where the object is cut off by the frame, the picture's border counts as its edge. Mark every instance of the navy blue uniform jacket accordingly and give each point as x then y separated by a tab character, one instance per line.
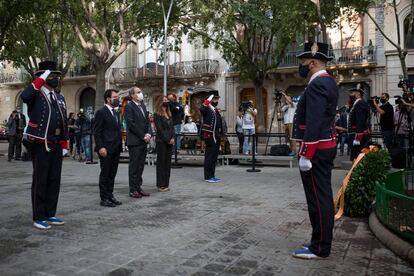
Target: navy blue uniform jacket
314	121
39	108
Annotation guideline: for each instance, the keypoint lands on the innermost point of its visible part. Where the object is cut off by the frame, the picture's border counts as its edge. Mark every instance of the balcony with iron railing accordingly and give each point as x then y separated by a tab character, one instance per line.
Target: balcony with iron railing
346	56
184	69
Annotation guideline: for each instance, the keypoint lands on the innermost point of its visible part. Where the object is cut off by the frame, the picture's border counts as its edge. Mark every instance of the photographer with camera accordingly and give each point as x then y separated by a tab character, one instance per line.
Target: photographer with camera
248	126
386	112
289	110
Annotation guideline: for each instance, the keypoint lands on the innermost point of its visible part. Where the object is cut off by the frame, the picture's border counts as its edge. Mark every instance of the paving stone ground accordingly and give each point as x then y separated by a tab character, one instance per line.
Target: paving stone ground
249	224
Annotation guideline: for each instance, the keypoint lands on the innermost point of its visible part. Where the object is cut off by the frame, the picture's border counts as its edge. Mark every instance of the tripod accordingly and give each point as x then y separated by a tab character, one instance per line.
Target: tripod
276	107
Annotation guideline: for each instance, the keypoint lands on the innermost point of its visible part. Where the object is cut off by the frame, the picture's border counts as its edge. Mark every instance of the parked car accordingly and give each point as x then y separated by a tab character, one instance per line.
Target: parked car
3	133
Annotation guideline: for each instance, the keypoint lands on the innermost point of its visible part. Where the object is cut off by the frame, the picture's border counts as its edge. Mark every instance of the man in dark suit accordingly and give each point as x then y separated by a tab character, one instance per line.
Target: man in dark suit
21	119
46	137
107	133
314	126
138	136
358	122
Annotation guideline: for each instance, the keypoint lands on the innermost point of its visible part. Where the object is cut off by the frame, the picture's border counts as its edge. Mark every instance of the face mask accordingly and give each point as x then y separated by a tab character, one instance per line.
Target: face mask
383	101
304	70
140	97
166	104
214	104
53	82
115	103
190	120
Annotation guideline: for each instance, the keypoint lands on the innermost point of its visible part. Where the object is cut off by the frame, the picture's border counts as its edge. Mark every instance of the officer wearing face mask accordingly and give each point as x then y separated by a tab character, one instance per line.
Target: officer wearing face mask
314	127
211	132
357	121
386	112
46	137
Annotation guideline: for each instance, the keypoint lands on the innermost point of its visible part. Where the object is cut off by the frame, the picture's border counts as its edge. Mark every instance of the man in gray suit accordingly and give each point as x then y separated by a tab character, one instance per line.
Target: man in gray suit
138	136
12	124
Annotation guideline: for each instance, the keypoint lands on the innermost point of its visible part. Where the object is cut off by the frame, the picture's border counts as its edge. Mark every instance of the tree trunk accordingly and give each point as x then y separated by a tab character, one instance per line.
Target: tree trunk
402	54
100	85
258	87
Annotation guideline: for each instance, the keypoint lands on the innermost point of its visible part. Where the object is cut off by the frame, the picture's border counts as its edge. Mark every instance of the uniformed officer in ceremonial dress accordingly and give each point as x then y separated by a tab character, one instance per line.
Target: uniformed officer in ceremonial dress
46	137
314	127
211	133
358	122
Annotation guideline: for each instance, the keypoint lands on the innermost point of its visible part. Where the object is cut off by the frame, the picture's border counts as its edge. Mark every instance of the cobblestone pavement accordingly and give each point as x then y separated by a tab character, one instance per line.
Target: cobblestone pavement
249	224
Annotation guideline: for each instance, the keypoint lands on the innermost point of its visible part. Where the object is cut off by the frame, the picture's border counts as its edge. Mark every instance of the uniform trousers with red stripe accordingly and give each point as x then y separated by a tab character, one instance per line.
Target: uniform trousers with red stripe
318	191
356	150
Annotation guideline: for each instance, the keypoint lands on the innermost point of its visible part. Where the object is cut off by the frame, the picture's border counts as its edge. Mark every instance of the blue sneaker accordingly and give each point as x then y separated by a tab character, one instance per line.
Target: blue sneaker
305	253
41	224
55	221
217	179
211	180
292	154
306	245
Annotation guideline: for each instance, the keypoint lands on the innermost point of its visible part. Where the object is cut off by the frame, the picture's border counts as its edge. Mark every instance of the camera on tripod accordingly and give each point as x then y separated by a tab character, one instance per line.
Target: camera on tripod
244	106
278	95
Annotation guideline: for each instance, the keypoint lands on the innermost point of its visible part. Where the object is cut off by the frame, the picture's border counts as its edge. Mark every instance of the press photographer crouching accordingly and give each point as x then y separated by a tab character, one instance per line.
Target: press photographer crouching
248	126
386	112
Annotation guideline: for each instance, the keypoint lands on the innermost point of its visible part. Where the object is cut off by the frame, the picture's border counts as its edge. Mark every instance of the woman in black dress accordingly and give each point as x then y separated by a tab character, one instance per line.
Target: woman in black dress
164	143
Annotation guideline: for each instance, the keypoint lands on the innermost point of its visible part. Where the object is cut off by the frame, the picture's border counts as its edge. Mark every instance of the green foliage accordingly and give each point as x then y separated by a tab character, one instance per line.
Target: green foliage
41	33
360	191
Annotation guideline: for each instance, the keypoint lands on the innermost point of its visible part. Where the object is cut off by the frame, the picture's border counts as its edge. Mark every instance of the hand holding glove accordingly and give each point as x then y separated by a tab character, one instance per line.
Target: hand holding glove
304	164
45	74
356	143
64	152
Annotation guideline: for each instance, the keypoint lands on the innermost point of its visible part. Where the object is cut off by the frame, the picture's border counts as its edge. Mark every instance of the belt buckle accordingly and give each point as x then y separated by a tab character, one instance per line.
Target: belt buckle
57	132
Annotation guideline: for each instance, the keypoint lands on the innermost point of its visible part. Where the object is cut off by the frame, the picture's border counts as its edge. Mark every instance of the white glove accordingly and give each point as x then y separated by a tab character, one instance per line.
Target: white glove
356	143
45	74
210	97
64	151
304	164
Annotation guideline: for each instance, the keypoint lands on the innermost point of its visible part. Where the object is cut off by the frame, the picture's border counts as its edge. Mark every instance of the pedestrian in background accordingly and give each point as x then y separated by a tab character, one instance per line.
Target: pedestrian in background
12	134
165	141
71	127
20	126
239	130
177	112
289	110
85	128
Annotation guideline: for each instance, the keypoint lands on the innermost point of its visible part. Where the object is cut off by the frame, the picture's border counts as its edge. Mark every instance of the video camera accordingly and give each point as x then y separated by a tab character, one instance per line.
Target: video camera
404	97
244	106
278	95
405	84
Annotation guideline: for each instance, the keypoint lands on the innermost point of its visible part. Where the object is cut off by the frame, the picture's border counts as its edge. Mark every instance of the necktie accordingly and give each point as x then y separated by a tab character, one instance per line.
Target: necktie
53	100
114	114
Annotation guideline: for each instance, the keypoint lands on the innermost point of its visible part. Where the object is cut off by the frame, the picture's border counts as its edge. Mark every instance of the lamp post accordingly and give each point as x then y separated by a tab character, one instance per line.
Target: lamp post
164	51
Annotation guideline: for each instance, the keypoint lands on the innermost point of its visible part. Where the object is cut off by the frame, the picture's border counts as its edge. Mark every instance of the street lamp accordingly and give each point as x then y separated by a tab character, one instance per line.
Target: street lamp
166	18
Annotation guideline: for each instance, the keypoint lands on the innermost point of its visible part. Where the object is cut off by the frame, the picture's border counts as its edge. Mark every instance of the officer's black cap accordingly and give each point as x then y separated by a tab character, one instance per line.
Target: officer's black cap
47	65
316	50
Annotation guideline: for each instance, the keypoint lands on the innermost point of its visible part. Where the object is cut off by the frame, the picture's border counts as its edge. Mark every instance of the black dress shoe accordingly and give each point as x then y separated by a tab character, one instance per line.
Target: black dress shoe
107	203
115	201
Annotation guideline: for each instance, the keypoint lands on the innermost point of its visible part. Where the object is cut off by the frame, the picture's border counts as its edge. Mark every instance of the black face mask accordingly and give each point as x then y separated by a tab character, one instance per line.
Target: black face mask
115	103
352	100
53	82
383	101
214	104
166	104
304	70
